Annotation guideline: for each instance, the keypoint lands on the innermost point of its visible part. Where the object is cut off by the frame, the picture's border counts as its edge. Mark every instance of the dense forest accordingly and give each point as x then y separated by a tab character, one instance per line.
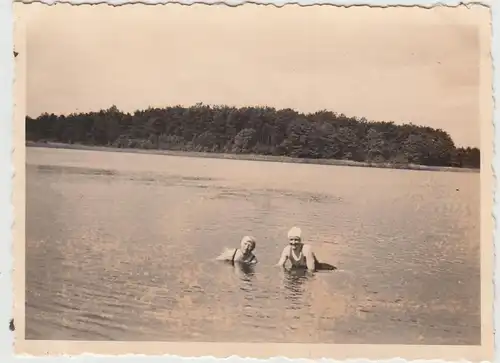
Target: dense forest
256	130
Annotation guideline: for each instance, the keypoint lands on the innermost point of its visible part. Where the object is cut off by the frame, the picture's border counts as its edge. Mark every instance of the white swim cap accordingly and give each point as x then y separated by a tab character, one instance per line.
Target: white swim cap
295	232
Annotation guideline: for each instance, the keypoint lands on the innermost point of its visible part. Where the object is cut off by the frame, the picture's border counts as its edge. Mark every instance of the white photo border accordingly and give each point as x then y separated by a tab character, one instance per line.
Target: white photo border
7	168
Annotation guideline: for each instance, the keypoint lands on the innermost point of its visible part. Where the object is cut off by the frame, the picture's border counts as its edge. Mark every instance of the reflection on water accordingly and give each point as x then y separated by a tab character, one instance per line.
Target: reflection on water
122	247
294	283
244	271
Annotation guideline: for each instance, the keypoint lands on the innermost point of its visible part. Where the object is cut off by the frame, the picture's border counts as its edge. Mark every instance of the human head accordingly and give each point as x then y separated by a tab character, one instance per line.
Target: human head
295	236
248	244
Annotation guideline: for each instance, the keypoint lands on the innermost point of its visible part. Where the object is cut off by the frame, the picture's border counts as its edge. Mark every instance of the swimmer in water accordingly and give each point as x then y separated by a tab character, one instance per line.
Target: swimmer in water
244	254
299	254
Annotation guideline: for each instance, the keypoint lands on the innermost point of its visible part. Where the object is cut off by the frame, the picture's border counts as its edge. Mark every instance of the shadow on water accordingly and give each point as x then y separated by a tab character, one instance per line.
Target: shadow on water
323	266
244	271
294	283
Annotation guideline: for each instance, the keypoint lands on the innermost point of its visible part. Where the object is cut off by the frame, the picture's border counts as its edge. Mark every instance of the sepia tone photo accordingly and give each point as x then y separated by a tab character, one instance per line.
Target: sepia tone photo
254	181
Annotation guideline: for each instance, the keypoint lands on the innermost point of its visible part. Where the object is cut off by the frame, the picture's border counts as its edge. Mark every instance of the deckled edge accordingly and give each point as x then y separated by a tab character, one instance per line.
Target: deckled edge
277	3
7	173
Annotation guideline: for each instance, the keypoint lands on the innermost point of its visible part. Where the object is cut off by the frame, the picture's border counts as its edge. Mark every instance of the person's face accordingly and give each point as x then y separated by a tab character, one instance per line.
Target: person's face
247	247
295	242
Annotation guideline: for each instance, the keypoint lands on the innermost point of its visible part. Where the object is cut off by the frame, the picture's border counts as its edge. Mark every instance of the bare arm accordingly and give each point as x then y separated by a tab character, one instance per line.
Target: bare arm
227	255
310	261
284	257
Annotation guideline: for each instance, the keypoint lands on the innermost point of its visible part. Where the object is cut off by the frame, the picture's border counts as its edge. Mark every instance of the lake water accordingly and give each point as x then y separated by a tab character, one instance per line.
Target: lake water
120	246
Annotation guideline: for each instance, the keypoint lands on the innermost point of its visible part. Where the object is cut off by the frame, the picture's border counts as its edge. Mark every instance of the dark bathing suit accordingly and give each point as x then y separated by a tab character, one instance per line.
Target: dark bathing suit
301	263
234	255
297	263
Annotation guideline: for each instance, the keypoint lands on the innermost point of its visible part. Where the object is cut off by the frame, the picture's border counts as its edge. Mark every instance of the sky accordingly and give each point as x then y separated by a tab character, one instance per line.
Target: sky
402	64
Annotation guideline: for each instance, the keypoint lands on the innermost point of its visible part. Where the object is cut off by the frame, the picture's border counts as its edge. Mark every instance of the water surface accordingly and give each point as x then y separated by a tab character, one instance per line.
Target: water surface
120	246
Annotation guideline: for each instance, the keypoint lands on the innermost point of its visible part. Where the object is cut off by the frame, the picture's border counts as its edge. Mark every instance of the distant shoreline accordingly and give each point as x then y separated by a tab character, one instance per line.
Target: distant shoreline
250	157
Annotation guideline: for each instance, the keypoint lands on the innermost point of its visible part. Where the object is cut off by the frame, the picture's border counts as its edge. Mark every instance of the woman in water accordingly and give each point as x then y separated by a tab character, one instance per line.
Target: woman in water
244	254
299	254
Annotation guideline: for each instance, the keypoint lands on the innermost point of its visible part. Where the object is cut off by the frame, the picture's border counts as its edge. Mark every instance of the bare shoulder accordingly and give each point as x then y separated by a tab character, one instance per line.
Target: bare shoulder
286	249
307	248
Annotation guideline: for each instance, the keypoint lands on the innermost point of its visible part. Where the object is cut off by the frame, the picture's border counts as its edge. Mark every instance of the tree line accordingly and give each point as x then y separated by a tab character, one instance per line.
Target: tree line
256	130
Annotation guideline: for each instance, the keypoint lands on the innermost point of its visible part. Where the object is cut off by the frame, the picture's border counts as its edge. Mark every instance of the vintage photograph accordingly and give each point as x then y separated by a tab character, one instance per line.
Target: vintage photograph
294	176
